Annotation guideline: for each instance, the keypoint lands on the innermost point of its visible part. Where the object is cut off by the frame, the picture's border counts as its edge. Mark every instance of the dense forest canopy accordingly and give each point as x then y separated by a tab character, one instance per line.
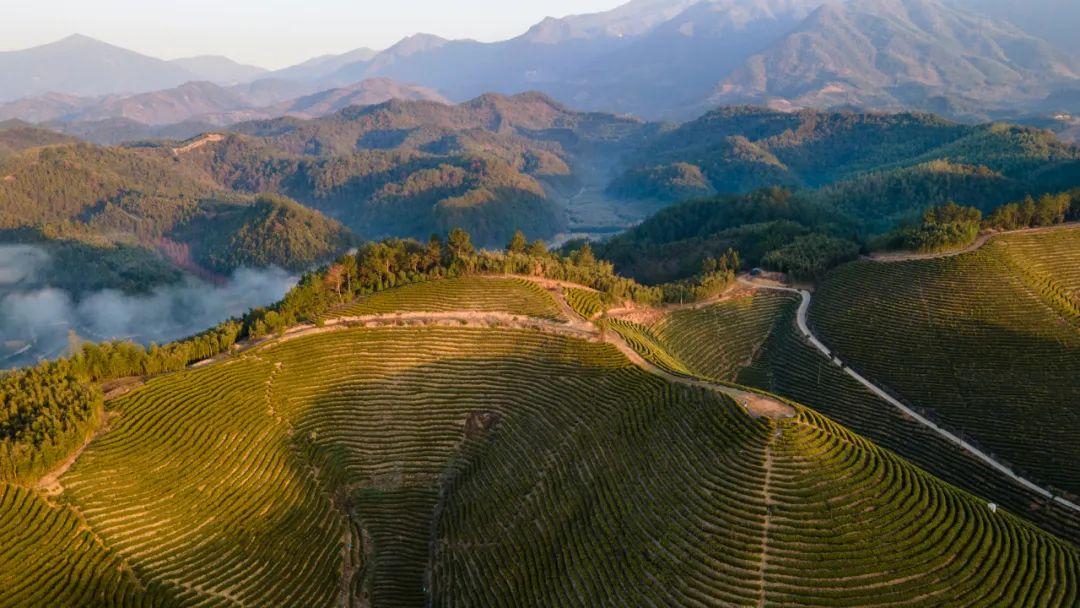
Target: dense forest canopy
128	218
498	164
877	168
492	165
798	233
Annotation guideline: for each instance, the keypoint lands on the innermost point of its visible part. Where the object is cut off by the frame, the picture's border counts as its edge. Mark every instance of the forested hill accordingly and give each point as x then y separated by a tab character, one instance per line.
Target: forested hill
17	135
492	165
877	167
142	208
805	234
497	164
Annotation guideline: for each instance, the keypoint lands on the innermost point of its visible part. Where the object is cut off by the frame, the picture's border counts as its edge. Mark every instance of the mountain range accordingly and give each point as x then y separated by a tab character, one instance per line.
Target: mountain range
658	59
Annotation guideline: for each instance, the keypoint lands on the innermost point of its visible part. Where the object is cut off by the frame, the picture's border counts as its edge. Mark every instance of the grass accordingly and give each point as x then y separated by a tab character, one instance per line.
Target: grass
516	296
979	340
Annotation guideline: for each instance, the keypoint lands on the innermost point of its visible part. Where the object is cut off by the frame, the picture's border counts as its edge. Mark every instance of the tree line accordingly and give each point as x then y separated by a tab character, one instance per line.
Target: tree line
47	410
952	226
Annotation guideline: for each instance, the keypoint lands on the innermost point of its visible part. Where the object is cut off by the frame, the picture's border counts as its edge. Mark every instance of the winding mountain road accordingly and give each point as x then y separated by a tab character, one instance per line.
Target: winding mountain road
804	328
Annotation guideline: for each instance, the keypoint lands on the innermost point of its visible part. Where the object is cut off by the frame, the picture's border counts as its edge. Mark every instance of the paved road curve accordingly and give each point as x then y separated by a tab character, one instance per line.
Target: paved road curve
804	328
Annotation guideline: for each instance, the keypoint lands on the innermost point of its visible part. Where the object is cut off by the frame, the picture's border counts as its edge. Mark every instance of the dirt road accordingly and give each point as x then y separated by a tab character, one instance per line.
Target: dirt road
982	239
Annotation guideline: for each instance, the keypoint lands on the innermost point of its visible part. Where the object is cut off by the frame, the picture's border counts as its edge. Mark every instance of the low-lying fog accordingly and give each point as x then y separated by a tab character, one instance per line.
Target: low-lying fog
35	321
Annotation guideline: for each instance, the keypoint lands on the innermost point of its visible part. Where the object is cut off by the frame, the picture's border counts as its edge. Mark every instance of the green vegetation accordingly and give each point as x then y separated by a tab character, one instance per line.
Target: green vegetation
874	167
230	510
987	342
394	192
811	256
50	559
647	344
677	181
272	231
585	302
1048	210
79	267
947	227
374	268
716	341
713	342
45	413
772	502
110	211
855	177
789	366
516	296
340	465
409	169
952	226
803	234
677	241
1049	258
16	135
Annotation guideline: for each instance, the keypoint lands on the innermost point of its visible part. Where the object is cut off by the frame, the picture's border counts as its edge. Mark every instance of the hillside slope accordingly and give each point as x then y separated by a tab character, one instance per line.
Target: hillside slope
389	465
109	196
988	340
492	165
901	53
871	155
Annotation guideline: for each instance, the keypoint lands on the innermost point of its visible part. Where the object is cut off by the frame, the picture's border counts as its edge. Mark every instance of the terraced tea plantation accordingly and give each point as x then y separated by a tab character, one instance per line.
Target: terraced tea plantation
791	367
585	302
476	466
516	296
713	342
1050	258
977	340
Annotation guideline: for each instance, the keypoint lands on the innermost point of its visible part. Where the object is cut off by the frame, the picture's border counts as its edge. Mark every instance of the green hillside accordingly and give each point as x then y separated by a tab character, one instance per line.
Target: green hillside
16	135
877	157
143	211
491	165
713	341
787	365
483	466
514	296
764	227
988	342
755	342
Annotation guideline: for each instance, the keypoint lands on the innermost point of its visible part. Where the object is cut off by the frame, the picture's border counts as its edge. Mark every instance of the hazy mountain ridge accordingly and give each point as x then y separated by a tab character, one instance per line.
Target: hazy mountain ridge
654	58
900	53
114	119
218	69
78	65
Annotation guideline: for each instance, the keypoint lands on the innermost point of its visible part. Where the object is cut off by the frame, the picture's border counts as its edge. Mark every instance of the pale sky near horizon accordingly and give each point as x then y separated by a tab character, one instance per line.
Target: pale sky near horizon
272	33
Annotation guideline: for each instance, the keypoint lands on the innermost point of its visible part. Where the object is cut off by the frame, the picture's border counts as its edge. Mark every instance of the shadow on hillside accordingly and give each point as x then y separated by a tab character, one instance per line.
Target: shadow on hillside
403	451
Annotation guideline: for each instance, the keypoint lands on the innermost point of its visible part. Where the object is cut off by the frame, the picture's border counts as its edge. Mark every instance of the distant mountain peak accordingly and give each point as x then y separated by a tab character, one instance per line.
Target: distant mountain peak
79	39
416	43
898	54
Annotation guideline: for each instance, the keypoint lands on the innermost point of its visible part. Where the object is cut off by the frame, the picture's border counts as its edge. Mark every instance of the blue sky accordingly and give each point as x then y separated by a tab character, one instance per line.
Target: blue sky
271	33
